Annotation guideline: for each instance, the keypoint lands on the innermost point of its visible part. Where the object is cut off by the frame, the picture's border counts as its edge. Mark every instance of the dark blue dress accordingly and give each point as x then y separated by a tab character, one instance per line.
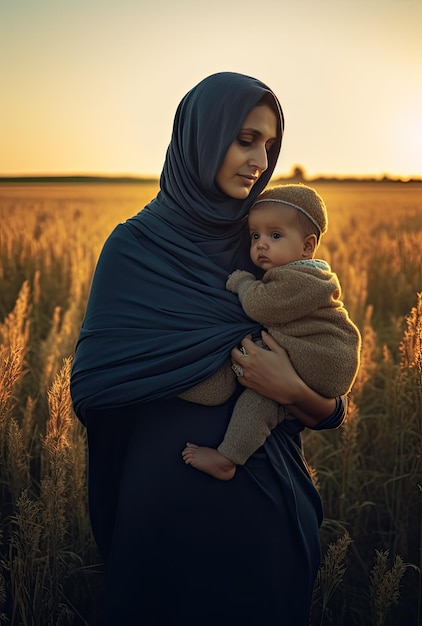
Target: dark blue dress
183	548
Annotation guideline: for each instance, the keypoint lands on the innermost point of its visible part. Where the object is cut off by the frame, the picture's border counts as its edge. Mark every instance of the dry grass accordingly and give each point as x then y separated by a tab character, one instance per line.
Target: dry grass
369	473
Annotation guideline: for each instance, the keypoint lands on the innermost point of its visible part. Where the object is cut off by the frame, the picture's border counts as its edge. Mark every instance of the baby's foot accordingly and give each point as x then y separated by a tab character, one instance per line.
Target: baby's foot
209	460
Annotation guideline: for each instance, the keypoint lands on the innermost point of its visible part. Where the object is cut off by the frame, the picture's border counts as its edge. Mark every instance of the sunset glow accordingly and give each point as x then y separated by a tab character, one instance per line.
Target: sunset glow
93	87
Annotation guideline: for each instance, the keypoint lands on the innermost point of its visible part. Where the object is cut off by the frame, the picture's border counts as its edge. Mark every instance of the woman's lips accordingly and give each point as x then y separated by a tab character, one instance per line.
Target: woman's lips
248	178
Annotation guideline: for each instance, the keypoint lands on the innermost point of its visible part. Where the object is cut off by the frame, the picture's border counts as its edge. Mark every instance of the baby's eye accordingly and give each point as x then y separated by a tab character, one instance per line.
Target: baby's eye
254	236
275	235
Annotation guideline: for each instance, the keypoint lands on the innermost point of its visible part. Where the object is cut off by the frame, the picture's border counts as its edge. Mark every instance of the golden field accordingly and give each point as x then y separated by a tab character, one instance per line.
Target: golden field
369	472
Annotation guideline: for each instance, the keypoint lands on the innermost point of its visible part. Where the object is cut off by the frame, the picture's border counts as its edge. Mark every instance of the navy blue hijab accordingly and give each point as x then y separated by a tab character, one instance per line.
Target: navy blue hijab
158	318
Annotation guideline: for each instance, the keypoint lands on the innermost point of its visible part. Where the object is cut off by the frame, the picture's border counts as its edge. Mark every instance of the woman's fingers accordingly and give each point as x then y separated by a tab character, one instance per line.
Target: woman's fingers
271	342
268	372
248	347
247	344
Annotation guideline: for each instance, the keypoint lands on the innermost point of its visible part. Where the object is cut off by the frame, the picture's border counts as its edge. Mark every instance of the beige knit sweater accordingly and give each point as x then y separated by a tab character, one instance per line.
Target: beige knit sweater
300	305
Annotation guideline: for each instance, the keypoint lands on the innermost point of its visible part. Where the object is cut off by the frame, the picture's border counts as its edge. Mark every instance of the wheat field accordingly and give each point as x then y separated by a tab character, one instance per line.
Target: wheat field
369	472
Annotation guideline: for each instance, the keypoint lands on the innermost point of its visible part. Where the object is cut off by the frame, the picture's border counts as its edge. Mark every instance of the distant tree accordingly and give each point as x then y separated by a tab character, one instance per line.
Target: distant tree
298	173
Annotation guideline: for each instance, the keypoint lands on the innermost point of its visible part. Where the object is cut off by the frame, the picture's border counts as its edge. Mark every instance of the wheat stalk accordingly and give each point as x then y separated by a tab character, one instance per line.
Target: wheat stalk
385	585
411	346
331	572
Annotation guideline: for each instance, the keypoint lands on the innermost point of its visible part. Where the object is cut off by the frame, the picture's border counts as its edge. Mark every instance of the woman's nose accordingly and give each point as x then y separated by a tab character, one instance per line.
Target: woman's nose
259	158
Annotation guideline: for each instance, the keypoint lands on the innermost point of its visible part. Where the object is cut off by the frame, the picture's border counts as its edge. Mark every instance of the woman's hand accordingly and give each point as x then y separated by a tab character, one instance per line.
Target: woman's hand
268	372
271	373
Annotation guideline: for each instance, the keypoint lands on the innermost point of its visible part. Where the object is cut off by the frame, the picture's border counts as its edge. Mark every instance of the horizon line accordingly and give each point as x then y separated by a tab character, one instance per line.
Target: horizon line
297	173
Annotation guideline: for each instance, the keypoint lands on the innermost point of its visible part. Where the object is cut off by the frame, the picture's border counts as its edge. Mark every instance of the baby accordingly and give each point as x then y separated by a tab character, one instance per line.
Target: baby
298	302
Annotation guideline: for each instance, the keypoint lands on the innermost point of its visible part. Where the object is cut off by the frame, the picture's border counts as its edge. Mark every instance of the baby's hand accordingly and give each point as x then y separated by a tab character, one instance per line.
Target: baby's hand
236	278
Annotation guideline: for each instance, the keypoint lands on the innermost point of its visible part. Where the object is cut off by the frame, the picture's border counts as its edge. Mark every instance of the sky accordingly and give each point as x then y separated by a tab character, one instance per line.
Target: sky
91	86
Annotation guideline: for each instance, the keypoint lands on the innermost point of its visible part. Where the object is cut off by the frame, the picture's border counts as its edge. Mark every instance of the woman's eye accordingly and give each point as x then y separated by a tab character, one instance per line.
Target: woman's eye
244	142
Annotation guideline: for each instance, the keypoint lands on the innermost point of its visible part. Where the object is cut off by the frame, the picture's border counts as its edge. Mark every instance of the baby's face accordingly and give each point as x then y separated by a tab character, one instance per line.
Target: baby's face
276	236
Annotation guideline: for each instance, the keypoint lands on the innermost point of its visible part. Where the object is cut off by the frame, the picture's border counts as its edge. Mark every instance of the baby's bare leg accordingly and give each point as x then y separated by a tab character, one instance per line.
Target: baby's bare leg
210	461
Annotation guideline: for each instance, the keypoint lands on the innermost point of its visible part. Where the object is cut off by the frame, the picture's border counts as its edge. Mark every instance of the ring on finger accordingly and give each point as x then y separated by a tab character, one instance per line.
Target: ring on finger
243	351
237	369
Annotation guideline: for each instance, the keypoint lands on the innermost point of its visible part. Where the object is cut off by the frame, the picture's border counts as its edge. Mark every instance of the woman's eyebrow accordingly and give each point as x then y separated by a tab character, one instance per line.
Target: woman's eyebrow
251	130
256	132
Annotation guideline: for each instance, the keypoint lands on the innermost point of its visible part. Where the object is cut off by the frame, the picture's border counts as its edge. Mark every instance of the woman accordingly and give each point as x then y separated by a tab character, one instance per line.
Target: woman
181	547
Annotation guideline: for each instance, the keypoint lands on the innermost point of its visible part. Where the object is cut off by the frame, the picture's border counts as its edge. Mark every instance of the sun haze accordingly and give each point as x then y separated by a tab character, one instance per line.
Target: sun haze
92	87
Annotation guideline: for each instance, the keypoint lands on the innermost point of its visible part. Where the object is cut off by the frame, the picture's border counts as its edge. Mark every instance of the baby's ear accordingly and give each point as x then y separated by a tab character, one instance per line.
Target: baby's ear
310	244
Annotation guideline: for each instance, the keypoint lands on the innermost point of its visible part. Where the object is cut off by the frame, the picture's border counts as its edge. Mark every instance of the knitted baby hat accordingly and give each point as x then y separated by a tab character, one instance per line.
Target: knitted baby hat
300	197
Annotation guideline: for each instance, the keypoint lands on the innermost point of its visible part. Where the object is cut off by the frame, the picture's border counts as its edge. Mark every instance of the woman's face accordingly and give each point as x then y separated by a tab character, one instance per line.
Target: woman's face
247	157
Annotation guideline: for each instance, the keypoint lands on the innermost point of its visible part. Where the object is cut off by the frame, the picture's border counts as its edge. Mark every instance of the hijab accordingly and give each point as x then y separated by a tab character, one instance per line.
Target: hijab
159	319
